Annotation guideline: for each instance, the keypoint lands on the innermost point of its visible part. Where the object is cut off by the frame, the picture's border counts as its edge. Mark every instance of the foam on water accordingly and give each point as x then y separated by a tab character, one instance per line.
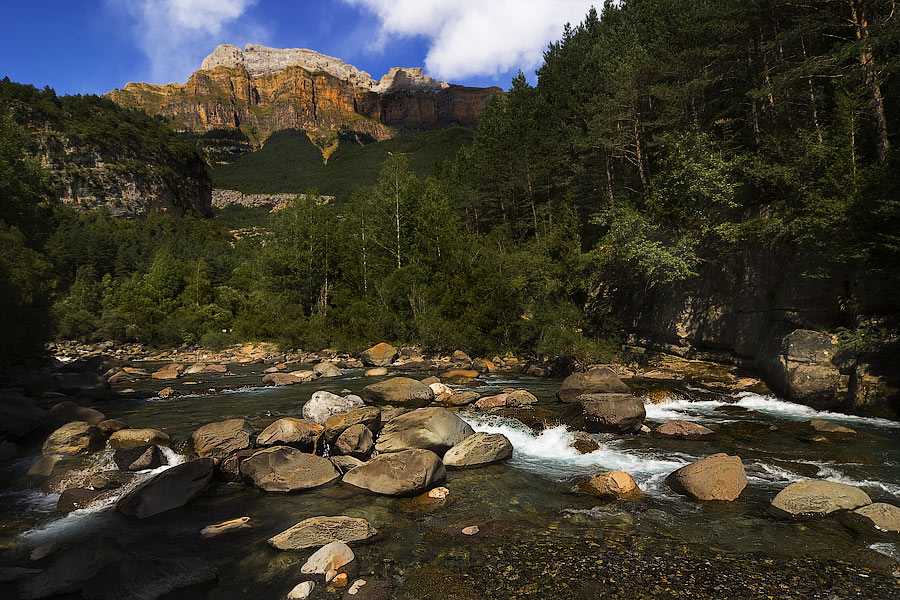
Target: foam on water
783	409
692	410
550	454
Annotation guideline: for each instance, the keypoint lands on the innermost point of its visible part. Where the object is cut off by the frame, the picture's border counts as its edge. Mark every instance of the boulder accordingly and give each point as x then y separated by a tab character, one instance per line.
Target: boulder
683	430
230	466
218	440
215	370
716	477
290	431
805	369
613	413
482	365
824	426
439	389
355	441
166	393
152	578
327	369
318	531
879	518
301	591
595	381
510	397
69	568
44	468
172	371
136	438
436	429
336	424
376	372
195	369
329	560
479	449
611	485
286	469
168	490
398	390
404	473
211	531
110	426
75	498
460	358
322	405
459	398
584	443
279	379
138	459
379	355
68	411
74	439
344	463
816	499
460	375
19	414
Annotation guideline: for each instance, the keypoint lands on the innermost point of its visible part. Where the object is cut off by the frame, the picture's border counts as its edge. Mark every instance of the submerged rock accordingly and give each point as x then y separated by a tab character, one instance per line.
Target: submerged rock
716	477
683	430
611	485
152	578
403	473
817	499
70	567
19	414
595	381
398	390
323	404
170	489
478	450
286	469
329	560
211	531
218	440
436	429
318	531
824	426
613	413
75	498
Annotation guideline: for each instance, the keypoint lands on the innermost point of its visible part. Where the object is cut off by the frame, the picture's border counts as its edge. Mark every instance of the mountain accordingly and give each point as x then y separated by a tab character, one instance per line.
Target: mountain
261	90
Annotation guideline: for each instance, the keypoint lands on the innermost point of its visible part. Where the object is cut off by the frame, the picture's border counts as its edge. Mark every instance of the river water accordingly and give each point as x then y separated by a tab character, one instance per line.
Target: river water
537	538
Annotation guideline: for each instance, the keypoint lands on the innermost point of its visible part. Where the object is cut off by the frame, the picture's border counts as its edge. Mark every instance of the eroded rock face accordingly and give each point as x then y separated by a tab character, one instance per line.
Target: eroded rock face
716	477
218	440
816	499
479	449
596	381
404	473
398	390
170	489
318	531
436	429
806	369
286	469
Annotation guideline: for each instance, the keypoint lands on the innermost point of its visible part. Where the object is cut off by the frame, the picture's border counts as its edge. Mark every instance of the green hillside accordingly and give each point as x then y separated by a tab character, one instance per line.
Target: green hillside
290	162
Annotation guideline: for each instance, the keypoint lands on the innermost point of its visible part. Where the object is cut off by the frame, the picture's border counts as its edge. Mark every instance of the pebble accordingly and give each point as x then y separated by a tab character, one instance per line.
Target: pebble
340	580
301	590
470	530
212	531
439	493
357	585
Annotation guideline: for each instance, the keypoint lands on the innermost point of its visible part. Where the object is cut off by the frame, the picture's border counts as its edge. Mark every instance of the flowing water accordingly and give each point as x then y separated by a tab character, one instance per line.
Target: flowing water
537	537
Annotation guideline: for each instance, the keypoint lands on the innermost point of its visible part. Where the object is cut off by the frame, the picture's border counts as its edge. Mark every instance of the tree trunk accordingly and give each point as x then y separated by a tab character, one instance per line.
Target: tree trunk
867	62
812	95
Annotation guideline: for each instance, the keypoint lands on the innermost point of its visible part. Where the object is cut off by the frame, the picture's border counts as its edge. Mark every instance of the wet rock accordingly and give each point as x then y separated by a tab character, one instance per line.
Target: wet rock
138	459
230	466
595	381
369	589
535	369
879	518
460	358
511	398
584	443
327	369
301	591
70	567
431	500
166	392
376	372
215	370
403	473
477	450
75	498
318	531
289	431
613	413
471	530
110	426
459	398
43	468
344	463
172	371
137	438
218	440
816	499
195	369
286	469
460	375
74	439
611	485
436	429
398	390
716	477
19	414
8	451
335	425
683	430
280	379
329	560
824	426
355	441
804	369
735	410
152	578
379	355
322	405
211	531
68	411
483	365
168	490
748	430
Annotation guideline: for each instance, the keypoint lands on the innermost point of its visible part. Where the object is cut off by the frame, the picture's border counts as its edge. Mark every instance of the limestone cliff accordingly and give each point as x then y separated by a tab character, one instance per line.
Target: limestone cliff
261	90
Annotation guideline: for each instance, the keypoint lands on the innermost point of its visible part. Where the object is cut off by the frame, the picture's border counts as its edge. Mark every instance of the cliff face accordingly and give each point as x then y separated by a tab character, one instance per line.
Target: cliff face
262	90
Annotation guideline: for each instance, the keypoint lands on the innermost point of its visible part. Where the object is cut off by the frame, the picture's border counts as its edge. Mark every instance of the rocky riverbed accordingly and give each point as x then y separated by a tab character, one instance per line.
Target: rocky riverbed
398	475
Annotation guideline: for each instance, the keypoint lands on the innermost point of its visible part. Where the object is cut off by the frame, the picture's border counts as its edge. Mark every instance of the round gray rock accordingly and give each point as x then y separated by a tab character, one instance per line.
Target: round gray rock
218	440
323	404
286	469
478	450
435	428
817	499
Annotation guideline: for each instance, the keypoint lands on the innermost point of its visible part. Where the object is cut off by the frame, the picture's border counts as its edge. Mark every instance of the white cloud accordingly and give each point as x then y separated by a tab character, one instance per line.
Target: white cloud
176	35
477	37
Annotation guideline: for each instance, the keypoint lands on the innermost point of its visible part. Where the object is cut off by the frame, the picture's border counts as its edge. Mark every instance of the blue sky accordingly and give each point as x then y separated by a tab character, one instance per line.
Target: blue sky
93	46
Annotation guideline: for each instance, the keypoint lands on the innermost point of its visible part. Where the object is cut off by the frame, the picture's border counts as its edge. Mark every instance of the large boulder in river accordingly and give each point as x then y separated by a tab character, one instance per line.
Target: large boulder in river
806	369
683	430
379	355
598	413
218	440
136	438
399	390
68	411
595	381
327	368
19	414
816	499
323	404
436	429
879	518
404	473
318	531
716	477
289	431
478	450
335	425
138	459
286	469
355	441
74	439
611	485
170	489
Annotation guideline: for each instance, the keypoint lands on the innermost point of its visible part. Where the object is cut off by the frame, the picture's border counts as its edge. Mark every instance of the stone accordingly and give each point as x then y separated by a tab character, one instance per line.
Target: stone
138	459
816	499
329	559
43	468
301	591
172	371
211	531
230	466
327	369
8	451
599	413
340	580
70	567
195	369
286	469
511	398
477	450
219	439
399	390
345	463
289	431
74	439
683	430
75	498
110	426
483	365
136	438
166	392
611	485
376	372
379	355
335	425
880	518
152	578
829	427
716	477
355	441
280	379
470	530
584	443
595	381
19	414
318	531
403	473
215	370
168	490
435	428
459	398
460	358
68	411
804	369
460	375
439	389
491	402
322	405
